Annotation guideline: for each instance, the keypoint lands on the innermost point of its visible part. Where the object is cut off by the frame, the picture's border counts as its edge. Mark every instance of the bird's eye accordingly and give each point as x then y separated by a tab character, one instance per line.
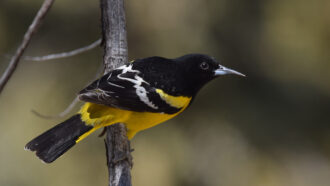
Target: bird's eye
204	66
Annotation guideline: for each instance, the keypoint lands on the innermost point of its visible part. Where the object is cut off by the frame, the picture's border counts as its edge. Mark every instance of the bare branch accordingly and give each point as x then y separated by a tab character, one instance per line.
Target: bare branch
114	34
60	115
119	159
26	40
70	107
64	54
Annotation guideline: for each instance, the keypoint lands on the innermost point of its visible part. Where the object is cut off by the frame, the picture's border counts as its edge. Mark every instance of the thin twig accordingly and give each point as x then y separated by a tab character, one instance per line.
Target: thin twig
26	40
64	54
60	115
70	107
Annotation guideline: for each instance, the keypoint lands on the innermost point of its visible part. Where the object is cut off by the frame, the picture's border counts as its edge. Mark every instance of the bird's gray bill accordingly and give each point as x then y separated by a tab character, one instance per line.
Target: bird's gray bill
224	70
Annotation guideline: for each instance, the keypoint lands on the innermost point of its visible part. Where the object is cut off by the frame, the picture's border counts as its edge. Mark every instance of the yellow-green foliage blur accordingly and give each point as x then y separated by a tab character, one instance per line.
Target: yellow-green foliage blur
269	129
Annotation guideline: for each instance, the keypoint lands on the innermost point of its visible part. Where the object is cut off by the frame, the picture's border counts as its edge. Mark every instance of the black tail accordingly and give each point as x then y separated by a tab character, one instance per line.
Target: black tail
53	143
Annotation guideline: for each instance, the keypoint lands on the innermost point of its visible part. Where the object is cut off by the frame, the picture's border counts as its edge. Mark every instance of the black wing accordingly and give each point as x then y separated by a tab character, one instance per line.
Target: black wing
123	88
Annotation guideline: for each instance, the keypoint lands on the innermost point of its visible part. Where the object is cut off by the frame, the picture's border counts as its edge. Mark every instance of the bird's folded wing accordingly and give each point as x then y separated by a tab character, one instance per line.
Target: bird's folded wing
128	91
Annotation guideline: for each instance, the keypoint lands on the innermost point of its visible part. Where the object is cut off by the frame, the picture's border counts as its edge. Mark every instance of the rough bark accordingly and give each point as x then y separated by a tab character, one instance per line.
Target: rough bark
115	54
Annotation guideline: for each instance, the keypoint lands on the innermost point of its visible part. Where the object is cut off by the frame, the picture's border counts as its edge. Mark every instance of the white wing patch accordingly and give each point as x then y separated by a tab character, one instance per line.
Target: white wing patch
127	68
140	90
113	84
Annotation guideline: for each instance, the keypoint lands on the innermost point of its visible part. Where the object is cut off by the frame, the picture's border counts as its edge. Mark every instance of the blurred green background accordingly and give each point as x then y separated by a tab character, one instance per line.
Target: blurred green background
270	129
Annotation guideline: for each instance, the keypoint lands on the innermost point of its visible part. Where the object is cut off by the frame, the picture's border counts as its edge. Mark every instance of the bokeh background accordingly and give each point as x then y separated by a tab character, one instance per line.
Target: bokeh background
269	129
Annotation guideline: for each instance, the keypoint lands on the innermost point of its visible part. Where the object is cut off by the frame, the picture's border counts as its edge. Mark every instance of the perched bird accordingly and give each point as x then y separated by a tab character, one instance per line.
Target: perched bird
141	94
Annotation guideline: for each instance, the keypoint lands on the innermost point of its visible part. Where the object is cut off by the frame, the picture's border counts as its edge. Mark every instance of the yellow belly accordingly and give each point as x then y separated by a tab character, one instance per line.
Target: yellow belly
101	116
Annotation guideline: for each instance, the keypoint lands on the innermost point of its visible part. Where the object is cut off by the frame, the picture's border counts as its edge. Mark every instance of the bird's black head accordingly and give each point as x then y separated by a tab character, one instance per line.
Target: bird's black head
199	69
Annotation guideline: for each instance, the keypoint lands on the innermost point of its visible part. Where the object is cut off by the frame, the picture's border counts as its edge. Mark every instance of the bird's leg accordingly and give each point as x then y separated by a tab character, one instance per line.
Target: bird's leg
103	132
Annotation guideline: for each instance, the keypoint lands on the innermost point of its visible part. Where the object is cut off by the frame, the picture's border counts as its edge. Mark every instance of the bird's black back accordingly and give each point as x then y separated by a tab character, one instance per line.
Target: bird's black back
162	73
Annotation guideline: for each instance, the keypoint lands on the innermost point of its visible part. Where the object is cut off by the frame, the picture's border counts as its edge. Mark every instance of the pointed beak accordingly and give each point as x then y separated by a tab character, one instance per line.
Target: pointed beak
224	70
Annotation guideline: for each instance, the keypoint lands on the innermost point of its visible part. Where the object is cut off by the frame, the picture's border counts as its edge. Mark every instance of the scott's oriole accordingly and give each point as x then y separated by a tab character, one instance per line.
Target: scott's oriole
141	94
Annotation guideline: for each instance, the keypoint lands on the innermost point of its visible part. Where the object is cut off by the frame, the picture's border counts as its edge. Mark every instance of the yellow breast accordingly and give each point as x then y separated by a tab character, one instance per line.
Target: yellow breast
101	115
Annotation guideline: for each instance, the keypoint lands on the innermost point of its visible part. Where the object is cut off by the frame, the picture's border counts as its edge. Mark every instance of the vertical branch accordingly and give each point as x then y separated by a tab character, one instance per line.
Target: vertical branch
114	33
115	54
